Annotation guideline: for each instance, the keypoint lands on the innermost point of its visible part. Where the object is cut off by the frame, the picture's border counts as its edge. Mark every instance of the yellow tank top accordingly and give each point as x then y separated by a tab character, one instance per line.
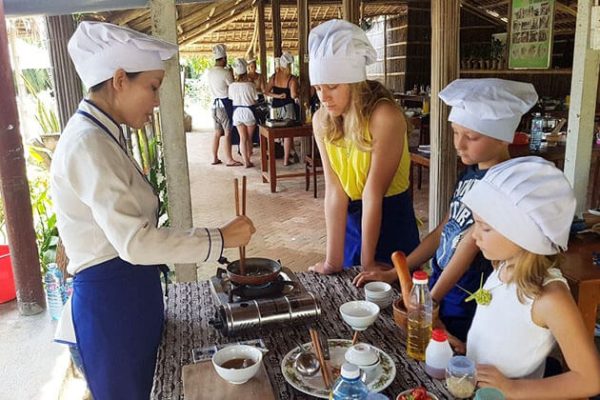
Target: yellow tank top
351	165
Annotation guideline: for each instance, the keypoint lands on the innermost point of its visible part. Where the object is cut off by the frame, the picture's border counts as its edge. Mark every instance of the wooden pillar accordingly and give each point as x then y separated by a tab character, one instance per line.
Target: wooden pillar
262	41
15	192
66	81
303	25
582	108
276	22
445	25
385	51
174	139
351	10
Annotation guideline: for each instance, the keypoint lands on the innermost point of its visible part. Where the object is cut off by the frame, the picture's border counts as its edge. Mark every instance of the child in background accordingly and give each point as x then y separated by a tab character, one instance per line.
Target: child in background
523	210
243	96
485	114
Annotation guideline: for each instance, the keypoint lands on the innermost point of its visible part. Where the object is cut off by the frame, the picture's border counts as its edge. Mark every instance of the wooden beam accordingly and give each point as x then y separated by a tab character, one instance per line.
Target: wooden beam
445	23
262	41
276	19
480	12
582	108
127	16
566	9
303	25
174	145
351	10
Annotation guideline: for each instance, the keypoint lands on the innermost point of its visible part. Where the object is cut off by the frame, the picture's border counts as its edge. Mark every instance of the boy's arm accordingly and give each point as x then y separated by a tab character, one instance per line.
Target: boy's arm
459	263
420	255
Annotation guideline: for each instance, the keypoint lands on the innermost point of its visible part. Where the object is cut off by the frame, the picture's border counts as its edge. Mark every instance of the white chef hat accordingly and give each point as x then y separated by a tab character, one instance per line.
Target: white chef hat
285	59
219	51
529	201
492	107
239	66
339	52
98	49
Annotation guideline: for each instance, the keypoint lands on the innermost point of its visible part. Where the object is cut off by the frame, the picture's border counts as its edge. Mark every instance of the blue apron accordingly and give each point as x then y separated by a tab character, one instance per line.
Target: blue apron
118	316
398	229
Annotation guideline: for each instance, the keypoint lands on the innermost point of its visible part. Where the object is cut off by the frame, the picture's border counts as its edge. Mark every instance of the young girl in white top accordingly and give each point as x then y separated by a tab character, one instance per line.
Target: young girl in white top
243	95
523	211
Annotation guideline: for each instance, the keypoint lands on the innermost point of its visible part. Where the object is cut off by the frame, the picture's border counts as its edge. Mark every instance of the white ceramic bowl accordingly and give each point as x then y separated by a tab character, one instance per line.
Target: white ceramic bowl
362	355
382	303
378	290
237	375
359	314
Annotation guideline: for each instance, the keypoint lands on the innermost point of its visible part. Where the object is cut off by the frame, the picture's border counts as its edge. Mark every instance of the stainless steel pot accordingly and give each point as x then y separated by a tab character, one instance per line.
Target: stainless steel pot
280	113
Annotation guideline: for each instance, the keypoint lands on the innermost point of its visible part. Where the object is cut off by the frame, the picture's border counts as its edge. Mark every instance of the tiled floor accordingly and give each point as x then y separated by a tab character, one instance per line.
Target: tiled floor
290	223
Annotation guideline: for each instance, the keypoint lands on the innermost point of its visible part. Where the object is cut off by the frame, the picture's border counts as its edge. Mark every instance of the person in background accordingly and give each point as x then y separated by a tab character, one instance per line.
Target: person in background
107	214
362	137
256	78
243	95
283	89
523	210
484	116
218	79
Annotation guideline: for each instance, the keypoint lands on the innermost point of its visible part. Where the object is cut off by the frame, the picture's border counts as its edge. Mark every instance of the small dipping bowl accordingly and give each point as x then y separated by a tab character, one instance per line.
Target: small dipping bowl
237	375
359	314
401	318
379	293
364	356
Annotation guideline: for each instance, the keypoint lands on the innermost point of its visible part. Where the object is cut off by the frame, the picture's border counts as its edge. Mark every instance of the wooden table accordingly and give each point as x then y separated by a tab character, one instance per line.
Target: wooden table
583	276
267	150
190	306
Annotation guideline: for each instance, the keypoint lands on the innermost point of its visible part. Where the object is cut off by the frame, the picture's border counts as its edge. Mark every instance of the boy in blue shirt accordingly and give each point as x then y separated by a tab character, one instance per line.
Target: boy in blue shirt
485	114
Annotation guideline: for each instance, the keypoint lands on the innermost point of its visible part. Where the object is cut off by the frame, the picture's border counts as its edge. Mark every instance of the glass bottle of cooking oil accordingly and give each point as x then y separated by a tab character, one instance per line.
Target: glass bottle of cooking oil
419	317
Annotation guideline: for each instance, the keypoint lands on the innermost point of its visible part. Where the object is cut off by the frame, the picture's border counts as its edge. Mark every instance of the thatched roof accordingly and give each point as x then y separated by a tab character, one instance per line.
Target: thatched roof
232	22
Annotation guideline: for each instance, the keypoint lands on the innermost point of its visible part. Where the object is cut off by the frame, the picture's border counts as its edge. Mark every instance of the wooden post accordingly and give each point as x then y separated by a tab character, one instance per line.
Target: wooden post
385	51
174	139
303	24
262	41
66	81
276	20
15	192
351	10
445	24
582	107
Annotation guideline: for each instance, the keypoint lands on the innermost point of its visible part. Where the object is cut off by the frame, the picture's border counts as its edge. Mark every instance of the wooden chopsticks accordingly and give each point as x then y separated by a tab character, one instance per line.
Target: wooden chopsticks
314	336
237	213
355	338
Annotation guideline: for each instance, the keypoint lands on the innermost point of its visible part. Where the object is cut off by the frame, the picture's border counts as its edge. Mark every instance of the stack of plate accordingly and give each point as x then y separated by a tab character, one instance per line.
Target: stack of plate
379	293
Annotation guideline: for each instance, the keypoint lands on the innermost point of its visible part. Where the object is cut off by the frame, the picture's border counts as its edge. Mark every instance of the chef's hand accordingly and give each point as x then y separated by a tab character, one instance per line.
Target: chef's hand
324	267
375	273
237	232
490	376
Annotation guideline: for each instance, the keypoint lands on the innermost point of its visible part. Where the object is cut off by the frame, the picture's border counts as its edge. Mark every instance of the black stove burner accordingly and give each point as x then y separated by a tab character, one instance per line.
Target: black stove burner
249	292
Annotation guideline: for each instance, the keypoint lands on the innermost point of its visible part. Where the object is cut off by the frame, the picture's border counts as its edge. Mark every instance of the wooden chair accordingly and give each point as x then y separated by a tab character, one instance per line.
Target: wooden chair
313	166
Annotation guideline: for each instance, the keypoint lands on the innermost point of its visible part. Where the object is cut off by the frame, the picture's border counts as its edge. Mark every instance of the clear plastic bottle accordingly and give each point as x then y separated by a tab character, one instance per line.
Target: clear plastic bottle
437	354
349	386
55	293
537	132
419	317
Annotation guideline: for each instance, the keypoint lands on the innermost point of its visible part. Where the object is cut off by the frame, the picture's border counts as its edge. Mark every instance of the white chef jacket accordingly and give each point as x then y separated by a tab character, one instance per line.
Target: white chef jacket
218	80
106	208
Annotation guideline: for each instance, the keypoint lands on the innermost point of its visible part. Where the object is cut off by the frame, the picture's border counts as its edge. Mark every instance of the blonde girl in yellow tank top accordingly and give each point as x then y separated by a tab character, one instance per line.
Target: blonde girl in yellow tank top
362	138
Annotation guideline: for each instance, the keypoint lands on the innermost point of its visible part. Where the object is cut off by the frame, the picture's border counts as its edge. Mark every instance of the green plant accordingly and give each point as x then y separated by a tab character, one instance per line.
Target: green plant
45	116
497	49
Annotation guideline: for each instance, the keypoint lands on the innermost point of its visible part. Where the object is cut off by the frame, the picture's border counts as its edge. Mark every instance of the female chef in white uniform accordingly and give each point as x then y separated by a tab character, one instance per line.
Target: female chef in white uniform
107	213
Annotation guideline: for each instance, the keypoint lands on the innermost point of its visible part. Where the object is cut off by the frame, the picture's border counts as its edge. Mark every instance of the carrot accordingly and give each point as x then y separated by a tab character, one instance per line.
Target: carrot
399	260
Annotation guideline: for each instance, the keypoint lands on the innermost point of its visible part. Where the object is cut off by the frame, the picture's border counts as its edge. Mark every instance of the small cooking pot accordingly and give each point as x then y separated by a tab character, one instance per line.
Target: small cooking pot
258	271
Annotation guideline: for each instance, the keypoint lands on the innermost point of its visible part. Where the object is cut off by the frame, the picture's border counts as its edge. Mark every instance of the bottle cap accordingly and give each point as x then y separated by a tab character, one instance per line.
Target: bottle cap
461	366
420	277
350	371
439	335
489	394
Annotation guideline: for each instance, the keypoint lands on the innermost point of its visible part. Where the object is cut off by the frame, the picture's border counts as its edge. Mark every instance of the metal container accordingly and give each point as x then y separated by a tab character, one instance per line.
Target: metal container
281	113
232	318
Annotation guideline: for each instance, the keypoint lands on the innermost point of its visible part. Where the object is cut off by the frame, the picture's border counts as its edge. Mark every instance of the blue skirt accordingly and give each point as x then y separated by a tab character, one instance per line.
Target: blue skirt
398	229
118	315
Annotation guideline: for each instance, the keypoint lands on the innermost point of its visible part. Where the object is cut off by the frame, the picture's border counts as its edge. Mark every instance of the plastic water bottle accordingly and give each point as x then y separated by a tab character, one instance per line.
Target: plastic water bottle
349	386
419	317
437	354
537	131
55	294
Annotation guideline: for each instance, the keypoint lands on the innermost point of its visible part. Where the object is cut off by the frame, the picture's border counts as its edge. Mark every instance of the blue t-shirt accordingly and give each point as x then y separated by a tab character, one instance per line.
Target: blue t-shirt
459	221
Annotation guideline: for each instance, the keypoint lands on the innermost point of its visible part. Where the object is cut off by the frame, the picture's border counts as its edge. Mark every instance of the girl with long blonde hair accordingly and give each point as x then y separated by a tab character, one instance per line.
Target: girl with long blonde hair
362	137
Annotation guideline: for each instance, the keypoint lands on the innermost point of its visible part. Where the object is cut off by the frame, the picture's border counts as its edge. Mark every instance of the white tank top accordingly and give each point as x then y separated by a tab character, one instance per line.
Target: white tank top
503	333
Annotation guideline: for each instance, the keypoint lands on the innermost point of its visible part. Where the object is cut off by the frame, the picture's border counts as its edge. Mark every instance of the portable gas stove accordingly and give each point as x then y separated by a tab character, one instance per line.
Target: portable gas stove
239	307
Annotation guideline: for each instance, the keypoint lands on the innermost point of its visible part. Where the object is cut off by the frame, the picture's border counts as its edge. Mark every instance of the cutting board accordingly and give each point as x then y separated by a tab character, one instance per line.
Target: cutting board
201	382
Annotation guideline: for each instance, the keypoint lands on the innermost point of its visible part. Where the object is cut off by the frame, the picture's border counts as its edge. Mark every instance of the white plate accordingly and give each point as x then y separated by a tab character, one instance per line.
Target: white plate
379	379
